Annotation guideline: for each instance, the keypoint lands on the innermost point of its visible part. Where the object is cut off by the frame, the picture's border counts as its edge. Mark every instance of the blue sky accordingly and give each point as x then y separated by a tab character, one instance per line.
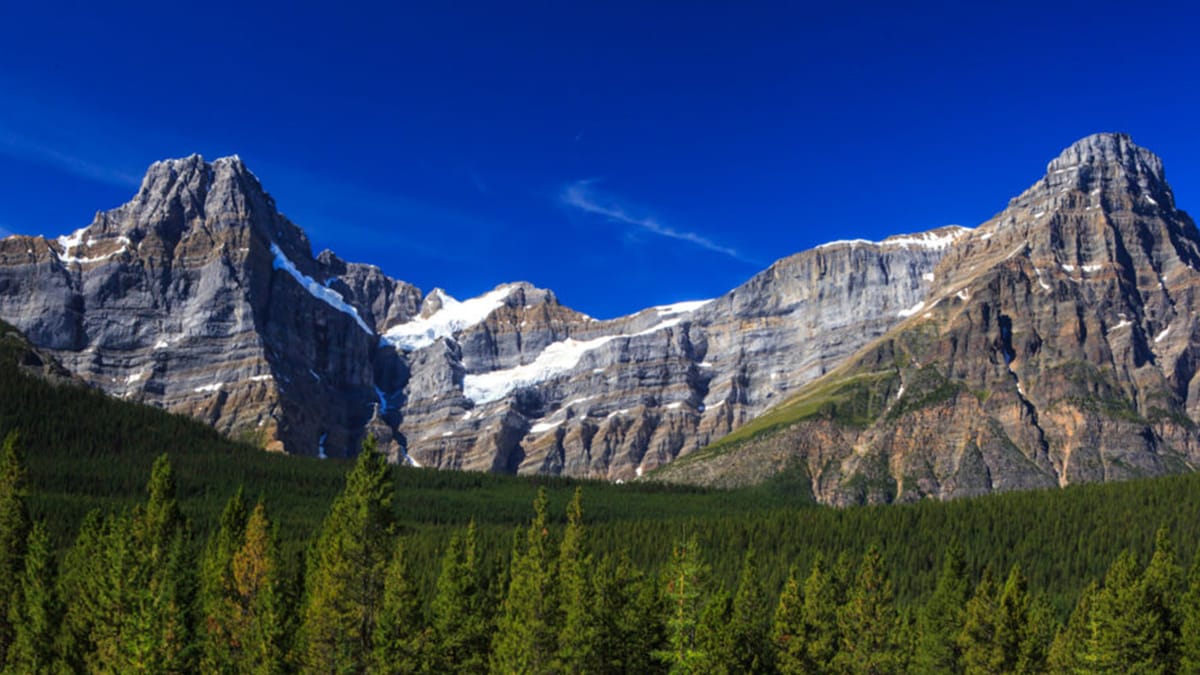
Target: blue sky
621	154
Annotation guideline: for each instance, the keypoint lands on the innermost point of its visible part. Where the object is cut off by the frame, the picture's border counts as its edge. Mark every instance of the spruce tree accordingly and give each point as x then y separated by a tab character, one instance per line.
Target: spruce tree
940	620
977	640
714	635
461	632
34	612
347	567
1189	621
527	628
1068	652
80	577
868	621
749	625
257	622
162	563
1127	631
216	597
399	637
1011	640
789	639
684	583
577	636
627	630
14	530
823	598
1162	584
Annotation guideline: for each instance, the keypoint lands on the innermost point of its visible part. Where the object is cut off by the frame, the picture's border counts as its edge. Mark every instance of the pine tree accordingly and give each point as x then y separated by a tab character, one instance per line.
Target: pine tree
627	632
577	636
526	630
748	627
217	601
789	638
347	567
257	626
1068	652
1012	627
1189	621
823	597
80	577
460	629
34	612
868	621
940	620
14	530
399	638
685	577
977	640
1127	633
156	637
714	635
1161	587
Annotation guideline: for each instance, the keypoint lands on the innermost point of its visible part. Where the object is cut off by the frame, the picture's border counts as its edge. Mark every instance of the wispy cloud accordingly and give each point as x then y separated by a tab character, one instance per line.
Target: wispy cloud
583	196
19	147
5	232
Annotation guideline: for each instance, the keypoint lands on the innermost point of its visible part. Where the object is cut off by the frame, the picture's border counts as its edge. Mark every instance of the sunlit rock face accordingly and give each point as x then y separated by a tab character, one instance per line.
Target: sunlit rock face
1057	345
1053	344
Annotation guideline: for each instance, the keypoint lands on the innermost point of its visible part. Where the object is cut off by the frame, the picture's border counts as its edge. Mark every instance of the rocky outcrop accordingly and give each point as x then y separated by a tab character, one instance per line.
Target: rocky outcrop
1058	346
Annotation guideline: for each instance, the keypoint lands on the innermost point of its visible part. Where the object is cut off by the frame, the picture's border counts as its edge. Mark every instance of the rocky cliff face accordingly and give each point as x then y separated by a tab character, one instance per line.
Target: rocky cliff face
1056	346
200	297
1053	344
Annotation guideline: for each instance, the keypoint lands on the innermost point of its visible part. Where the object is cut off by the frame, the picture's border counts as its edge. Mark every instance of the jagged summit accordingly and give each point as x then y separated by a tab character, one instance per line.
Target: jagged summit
1108	149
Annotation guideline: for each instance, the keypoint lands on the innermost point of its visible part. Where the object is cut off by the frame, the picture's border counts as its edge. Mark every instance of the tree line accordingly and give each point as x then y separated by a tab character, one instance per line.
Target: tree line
140	591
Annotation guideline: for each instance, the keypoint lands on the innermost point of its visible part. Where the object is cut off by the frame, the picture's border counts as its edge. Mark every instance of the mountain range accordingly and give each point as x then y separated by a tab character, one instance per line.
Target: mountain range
1053	344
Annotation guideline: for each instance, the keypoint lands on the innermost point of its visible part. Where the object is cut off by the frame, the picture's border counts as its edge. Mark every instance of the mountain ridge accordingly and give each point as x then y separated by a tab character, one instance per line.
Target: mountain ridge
513	380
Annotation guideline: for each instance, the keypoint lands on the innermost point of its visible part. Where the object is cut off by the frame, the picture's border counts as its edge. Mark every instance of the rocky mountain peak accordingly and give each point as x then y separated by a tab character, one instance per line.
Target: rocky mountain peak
1111	164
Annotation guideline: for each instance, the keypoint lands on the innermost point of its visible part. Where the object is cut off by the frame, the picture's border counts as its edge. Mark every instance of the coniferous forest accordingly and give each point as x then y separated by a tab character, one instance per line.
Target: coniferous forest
136	541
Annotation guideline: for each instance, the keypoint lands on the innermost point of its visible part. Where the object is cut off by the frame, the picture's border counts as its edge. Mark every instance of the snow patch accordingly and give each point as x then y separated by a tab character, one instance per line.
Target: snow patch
75	239
1068	268
911	310
639	472
900	391
555	359
321	446
542	427
1124	323
139	375
326	295
1150	199
928	276
963	295
681	307
674	406
451	318
1162	335
208	388
1041	282
260	378
929	240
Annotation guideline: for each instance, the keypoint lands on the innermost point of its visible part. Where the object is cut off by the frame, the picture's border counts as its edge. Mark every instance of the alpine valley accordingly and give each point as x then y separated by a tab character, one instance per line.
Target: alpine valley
1056	343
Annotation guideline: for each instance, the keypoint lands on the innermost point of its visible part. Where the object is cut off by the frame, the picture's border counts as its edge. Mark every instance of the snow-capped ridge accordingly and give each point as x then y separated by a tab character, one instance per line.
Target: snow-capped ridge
317	290
450	317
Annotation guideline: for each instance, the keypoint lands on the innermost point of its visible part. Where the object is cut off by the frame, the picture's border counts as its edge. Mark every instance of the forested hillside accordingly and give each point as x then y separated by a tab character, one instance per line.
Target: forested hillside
237	560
